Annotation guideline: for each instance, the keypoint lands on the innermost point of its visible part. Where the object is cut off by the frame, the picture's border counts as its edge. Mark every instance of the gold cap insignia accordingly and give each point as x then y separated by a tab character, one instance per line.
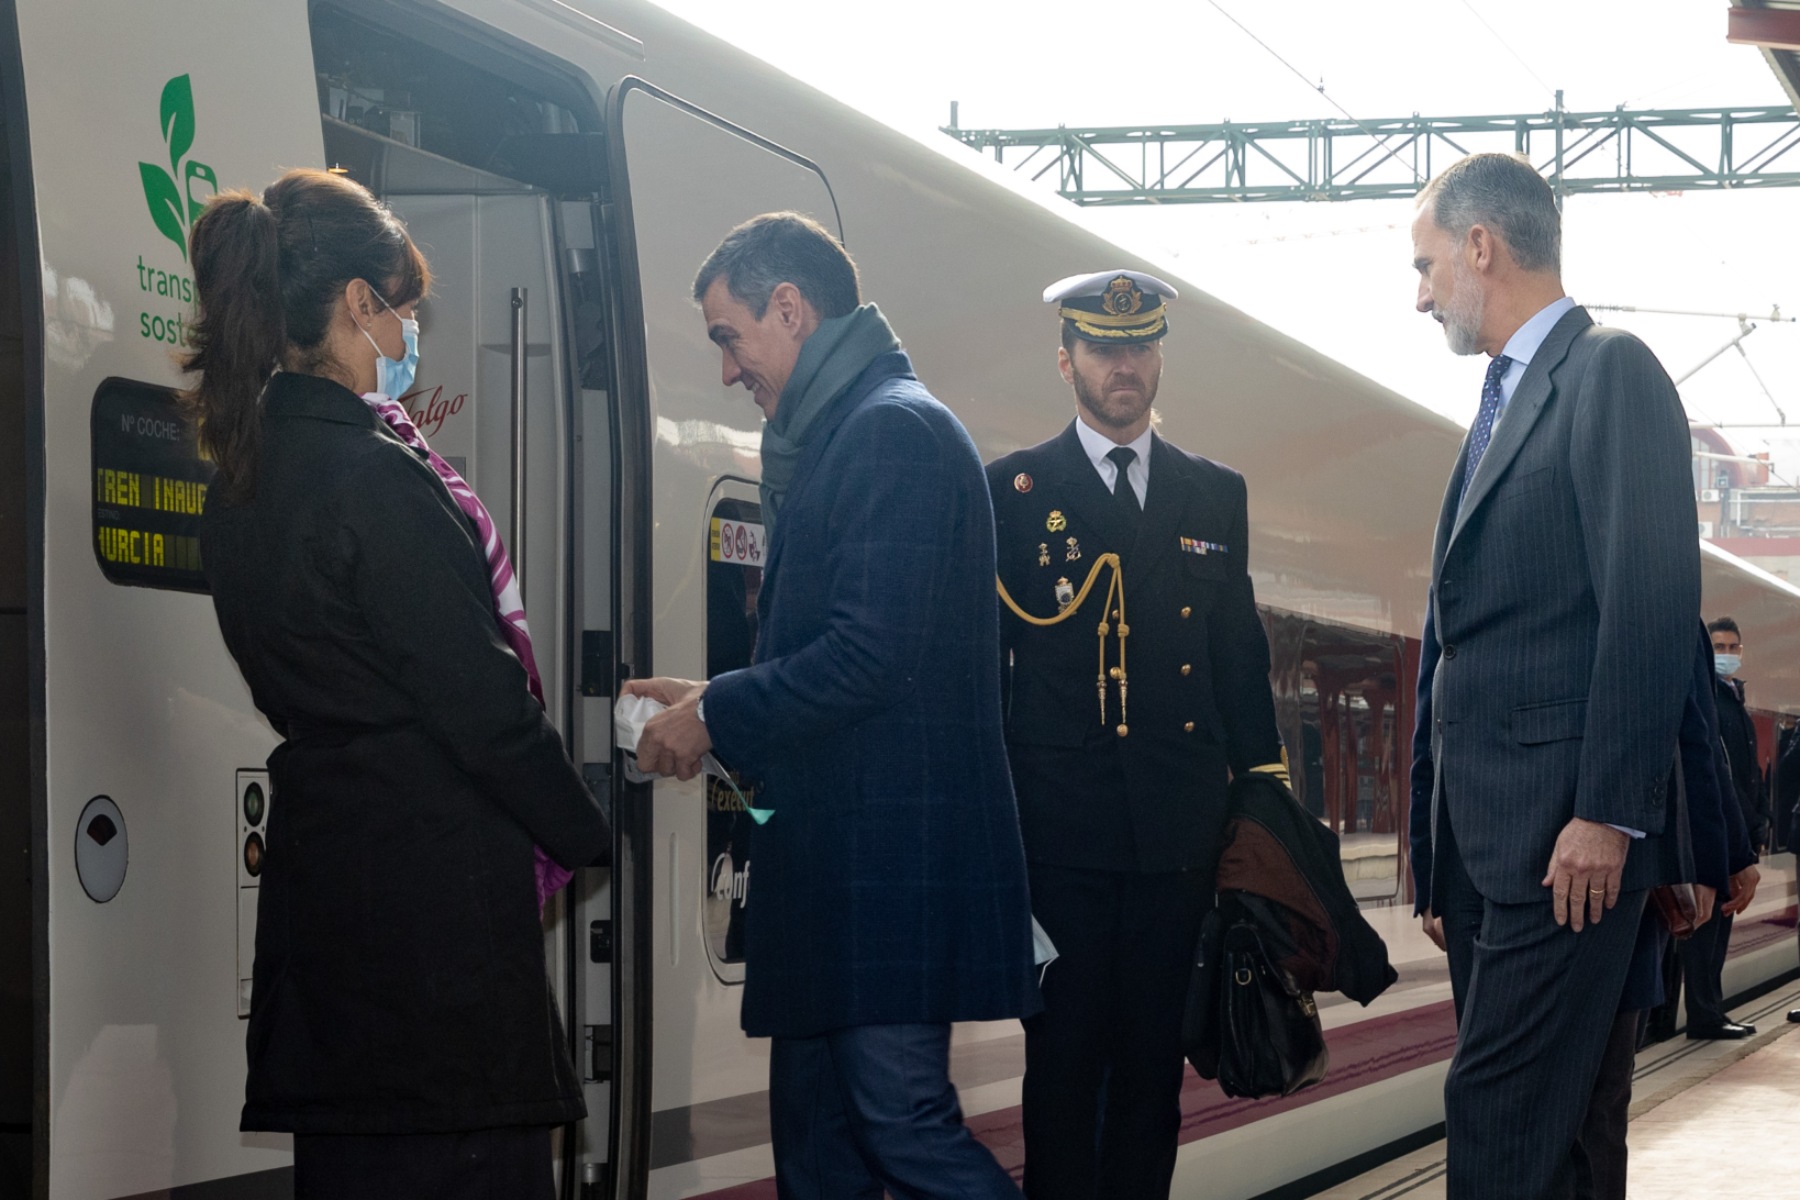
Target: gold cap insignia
1123	297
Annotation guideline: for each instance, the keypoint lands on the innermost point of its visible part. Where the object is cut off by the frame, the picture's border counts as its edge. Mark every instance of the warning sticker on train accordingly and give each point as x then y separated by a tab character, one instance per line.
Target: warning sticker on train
738	542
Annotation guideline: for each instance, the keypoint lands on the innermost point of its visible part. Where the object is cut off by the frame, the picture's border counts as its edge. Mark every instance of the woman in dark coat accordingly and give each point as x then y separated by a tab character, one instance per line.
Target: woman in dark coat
402	1025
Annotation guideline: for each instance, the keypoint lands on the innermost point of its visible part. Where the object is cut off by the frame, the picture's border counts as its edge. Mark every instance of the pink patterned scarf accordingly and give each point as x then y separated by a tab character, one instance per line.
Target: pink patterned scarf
509	604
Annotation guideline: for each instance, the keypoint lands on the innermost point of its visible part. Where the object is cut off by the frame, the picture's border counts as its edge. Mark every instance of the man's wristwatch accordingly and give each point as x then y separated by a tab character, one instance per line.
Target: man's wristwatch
700	709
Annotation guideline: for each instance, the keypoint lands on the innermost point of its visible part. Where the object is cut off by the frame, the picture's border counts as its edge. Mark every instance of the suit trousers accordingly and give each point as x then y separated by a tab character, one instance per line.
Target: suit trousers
857	1110
1600	1152
482	1164
1703	967
1103	1061
1538	1011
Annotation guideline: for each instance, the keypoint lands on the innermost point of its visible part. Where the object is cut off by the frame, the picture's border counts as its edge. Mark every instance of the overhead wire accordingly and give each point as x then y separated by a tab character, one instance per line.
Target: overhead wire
1317	87
1517	57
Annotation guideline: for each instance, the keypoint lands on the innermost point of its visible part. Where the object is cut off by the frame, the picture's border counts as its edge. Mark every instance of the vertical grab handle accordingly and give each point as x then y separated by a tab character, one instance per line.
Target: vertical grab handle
516	544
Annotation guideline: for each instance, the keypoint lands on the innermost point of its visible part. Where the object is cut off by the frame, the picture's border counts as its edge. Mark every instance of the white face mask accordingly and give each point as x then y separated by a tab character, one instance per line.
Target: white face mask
1727	664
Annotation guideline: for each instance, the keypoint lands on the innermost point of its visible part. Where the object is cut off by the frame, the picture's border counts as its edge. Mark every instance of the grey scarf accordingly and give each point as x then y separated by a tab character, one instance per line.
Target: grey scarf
839	350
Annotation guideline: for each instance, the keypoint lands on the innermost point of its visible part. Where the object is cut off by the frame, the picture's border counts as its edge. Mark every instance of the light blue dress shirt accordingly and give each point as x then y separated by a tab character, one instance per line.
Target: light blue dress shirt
1524	343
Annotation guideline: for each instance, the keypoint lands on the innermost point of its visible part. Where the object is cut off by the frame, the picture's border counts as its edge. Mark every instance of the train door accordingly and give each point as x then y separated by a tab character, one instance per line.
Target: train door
690	564
16	974
493	163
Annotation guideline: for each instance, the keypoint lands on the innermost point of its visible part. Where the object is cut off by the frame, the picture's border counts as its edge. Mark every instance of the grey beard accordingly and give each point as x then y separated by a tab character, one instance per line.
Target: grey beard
1462	320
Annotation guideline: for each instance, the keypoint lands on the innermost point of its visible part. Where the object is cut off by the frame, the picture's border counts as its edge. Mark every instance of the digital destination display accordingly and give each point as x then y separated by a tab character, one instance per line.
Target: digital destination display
149	488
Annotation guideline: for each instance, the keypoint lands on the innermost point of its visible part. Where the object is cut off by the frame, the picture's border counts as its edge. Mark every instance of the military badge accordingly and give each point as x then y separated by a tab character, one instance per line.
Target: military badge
1056	522
1021	483
1065	594
1074	554
1043	554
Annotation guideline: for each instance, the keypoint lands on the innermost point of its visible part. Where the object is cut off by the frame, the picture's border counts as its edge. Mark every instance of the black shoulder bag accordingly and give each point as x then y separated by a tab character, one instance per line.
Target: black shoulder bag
1248	1024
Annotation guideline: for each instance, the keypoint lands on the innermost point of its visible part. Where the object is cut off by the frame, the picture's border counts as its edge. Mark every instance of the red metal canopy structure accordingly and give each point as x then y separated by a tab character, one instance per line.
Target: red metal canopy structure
1773	26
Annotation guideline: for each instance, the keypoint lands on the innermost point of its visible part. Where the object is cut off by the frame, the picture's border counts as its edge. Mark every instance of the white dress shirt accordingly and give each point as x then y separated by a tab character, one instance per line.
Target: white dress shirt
1098	446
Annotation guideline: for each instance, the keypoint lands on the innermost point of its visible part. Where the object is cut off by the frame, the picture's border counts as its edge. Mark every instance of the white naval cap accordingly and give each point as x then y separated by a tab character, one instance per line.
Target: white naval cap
1117	307
1098	283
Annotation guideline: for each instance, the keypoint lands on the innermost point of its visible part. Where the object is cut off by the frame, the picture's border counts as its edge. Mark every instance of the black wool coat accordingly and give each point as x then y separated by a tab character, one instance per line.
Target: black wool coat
400	984
890	884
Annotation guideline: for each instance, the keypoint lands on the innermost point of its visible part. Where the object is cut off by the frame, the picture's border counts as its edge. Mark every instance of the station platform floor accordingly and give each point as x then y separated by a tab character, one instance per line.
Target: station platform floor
1732	1133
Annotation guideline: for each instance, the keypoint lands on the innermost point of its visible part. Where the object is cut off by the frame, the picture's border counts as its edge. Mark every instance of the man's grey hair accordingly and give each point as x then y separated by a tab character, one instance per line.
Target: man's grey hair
1504	193
776	248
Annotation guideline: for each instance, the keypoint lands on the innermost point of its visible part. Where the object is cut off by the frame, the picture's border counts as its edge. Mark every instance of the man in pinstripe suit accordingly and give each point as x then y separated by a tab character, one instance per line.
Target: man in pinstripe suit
1565	587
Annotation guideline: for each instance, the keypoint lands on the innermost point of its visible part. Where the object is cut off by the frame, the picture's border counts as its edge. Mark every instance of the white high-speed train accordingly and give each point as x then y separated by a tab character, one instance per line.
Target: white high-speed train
566	166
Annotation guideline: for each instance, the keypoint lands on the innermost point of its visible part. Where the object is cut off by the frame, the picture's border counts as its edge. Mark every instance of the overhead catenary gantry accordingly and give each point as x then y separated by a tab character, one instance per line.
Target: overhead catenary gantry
1620	150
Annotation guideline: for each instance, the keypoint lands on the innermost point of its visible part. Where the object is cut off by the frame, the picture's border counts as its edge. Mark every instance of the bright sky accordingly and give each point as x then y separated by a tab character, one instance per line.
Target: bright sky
1339	275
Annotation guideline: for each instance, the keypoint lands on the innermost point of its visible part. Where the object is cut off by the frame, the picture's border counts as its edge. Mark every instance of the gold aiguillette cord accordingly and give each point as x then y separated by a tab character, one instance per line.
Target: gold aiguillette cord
1115	603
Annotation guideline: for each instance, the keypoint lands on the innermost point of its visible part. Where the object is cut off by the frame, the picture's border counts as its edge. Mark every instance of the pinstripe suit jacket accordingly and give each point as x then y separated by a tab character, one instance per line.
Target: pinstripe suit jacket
1563	599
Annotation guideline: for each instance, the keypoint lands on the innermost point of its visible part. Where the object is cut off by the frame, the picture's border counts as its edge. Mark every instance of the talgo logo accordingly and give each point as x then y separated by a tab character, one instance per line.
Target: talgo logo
170	194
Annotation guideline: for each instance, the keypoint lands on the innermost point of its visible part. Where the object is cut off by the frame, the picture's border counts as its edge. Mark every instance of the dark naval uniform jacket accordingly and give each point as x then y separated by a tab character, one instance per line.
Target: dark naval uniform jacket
1153	797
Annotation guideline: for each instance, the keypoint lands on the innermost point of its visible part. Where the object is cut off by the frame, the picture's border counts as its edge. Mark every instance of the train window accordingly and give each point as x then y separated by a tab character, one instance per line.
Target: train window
1338	690
148	487
529	124
734	568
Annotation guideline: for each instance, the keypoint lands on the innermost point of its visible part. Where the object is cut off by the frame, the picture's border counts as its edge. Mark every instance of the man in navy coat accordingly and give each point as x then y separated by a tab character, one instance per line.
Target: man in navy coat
890	895
1565	589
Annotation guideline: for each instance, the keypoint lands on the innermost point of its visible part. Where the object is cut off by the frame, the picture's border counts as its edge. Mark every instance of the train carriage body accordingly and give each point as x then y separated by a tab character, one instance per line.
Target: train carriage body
566	166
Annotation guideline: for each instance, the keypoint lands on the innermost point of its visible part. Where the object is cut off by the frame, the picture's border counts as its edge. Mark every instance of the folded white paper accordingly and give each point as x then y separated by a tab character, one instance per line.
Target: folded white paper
630	713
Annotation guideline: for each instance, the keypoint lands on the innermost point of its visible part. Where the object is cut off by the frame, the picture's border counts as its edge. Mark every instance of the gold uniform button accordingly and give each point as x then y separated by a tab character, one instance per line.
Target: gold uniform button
1189	727
1187	668
1185	611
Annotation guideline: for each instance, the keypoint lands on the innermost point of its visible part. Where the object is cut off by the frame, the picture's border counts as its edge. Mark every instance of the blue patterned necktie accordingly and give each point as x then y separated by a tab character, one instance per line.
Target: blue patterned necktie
1483	431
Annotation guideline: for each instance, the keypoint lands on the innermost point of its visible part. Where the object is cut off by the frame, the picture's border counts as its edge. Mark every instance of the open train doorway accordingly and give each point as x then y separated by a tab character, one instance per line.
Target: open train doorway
493	162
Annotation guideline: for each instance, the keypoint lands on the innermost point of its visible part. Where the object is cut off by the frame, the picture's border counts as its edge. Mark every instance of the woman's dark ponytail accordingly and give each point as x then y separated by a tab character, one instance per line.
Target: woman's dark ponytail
271	273
240	335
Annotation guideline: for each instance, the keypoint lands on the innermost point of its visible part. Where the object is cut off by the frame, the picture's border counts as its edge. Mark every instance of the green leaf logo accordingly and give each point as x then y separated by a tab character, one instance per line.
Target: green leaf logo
170	194
165	204
178	119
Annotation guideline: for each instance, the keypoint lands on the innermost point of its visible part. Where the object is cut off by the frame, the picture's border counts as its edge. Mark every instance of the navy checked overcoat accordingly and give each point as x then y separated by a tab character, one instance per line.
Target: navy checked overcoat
889	887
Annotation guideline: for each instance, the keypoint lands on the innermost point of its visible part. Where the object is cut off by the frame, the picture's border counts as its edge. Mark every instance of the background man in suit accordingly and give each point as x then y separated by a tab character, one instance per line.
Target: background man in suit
1703	955
1122	778
890	896
1565	590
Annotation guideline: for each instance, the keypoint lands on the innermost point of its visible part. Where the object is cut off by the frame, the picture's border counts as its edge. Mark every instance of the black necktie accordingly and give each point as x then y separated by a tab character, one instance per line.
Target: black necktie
1124	495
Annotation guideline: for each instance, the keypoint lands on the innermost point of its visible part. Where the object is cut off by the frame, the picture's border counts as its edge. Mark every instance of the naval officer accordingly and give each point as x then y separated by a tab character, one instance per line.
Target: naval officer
1122	741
